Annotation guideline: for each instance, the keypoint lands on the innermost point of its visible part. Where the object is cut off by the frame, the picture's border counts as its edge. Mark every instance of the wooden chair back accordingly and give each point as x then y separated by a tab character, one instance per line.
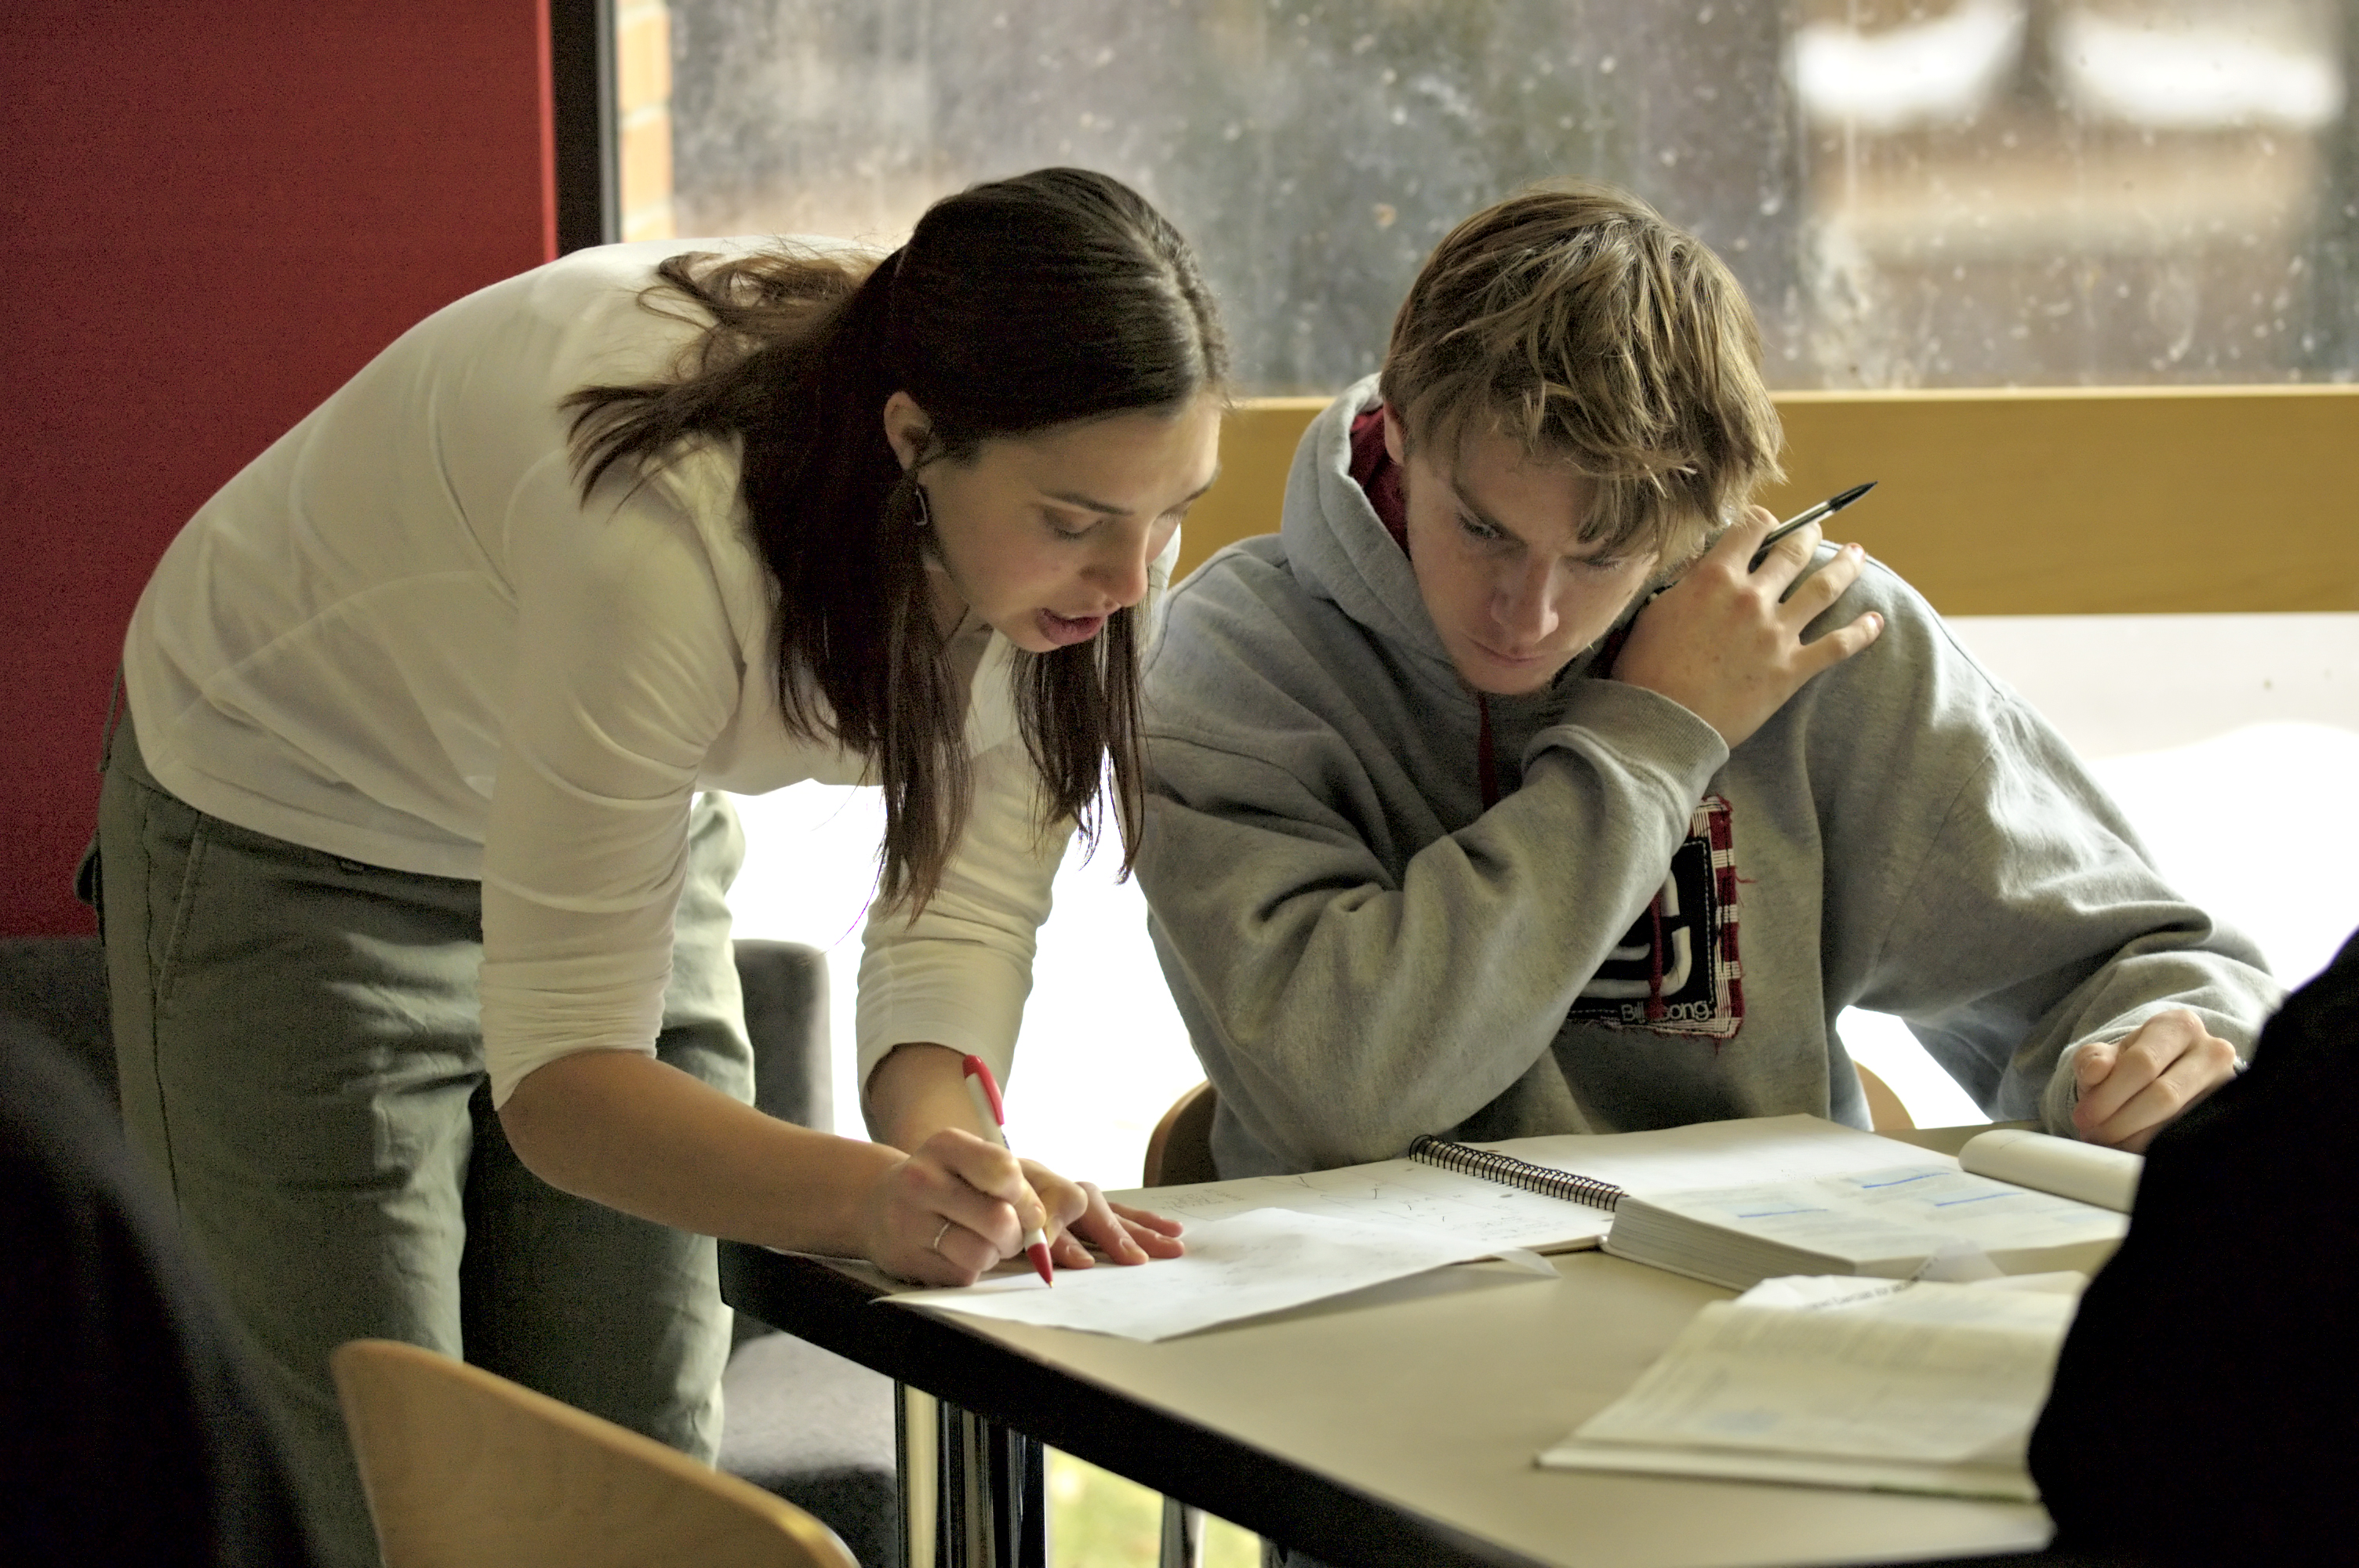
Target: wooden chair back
1179	1150
465	1469
1885	1111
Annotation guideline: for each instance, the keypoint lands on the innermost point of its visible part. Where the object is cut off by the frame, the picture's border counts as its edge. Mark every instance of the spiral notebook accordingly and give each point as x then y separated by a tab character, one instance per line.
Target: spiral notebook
1548	1193
1497	1165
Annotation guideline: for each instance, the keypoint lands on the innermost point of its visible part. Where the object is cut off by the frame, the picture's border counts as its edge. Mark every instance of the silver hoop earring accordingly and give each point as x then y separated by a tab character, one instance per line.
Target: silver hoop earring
925	507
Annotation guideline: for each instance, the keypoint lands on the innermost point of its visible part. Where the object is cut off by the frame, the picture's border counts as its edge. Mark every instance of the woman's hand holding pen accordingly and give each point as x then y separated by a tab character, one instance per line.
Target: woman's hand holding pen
951	1210
1724	641
920	1087
961	1205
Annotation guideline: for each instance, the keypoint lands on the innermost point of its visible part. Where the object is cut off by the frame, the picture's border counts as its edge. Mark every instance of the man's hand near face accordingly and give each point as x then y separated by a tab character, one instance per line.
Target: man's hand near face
1726	643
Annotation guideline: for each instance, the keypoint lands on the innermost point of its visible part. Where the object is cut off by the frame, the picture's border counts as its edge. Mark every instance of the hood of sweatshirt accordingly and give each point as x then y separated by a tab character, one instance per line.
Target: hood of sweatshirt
1340	550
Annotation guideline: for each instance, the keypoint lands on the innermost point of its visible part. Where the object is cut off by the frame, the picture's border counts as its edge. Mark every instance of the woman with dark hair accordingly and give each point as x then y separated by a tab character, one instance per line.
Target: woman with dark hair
423	993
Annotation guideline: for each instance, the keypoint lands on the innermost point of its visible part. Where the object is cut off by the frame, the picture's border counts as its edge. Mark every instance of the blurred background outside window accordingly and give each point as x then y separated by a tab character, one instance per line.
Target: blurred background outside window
1975	193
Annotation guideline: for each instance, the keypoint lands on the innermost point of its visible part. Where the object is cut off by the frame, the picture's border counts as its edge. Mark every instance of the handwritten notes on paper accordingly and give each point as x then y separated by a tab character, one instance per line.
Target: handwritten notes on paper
1239	1267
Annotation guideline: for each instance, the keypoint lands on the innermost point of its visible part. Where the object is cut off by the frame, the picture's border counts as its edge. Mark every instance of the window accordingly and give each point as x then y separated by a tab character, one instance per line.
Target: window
1947	193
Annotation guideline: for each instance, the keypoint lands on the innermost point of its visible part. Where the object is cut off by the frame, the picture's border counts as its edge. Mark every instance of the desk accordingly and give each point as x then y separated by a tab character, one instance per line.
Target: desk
1395	1426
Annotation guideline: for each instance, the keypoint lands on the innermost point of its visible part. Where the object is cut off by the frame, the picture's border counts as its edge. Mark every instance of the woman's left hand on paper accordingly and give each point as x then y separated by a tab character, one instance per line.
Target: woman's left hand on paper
1081	1214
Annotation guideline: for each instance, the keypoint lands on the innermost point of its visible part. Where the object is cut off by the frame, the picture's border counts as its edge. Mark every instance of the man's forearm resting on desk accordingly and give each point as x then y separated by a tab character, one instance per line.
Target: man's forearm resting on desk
919	1089
638	1135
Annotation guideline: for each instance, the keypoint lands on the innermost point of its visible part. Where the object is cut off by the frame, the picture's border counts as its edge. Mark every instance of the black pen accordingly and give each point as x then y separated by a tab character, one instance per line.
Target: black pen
1826	508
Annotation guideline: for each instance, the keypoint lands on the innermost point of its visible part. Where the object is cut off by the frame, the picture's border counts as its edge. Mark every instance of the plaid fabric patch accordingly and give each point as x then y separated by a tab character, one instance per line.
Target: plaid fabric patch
1676	970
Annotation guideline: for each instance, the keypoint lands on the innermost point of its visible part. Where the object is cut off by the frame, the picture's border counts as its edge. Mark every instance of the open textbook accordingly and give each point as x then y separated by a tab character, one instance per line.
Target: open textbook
2089	1172
1894	1223
1886	1385
1927	1216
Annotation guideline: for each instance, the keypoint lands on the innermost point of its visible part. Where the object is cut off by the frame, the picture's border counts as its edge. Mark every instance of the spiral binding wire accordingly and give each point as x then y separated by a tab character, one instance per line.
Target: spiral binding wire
1508	1170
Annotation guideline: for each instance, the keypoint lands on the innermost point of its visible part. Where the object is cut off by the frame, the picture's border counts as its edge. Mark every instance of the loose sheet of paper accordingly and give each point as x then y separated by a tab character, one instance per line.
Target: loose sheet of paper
1239	1267
1408	1192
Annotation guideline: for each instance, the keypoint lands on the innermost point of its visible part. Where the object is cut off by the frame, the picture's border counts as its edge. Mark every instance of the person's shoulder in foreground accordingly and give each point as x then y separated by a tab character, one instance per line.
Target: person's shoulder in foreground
2246	1232
1504	793
129	1420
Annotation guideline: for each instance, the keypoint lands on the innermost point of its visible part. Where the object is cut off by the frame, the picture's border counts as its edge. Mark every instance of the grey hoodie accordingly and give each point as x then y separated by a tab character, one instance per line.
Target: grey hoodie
1647	929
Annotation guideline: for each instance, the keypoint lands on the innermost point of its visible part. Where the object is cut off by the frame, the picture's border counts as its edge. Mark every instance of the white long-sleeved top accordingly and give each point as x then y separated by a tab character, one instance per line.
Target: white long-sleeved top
399	636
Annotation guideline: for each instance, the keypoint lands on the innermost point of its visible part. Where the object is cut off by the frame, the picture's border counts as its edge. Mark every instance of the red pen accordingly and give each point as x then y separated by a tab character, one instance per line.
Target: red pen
983	1089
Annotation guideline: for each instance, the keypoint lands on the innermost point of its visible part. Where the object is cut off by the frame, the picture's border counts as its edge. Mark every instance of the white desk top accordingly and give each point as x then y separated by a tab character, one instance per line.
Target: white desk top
1428	1397
1435	1393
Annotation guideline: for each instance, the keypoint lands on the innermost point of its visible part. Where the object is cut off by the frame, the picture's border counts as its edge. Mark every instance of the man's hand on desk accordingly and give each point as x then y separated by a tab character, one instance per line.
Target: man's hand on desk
2131	1088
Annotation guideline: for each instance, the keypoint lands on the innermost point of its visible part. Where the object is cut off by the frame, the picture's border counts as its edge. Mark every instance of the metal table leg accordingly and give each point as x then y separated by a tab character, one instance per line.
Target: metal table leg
973	1493
917	1455
1184	1536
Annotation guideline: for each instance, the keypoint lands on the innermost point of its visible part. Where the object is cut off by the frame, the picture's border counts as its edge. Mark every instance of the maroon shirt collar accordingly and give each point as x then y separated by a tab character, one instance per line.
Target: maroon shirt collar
1378	477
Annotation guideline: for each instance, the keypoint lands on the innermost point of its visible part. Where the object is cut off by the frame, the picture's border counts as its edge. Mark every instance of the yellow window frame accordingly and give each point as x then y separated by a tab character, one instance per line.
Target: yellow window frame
2040	502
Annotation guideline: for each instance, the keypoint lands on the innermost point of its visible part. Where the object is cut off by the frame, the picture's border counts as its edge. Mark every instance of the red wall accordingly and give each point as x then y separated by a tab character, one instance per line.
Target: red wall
211	215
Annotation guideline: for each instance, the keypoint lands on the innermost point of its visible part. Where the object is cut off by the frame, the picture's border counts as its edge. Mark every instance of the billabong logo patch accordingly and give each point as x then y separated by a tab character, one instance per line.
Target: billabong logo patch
1676	971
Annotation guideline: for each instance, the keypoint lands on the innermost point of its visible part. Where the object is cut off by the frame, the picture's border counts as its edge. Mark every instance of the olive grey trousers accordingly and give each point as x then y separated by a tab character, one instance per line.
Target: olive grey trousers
302	1066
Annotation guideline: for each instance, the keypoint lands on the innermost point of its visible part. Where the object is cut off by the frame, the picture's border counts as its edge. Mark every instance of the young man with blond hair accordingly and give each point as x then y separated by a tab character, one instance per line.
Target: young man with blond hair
1501	793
